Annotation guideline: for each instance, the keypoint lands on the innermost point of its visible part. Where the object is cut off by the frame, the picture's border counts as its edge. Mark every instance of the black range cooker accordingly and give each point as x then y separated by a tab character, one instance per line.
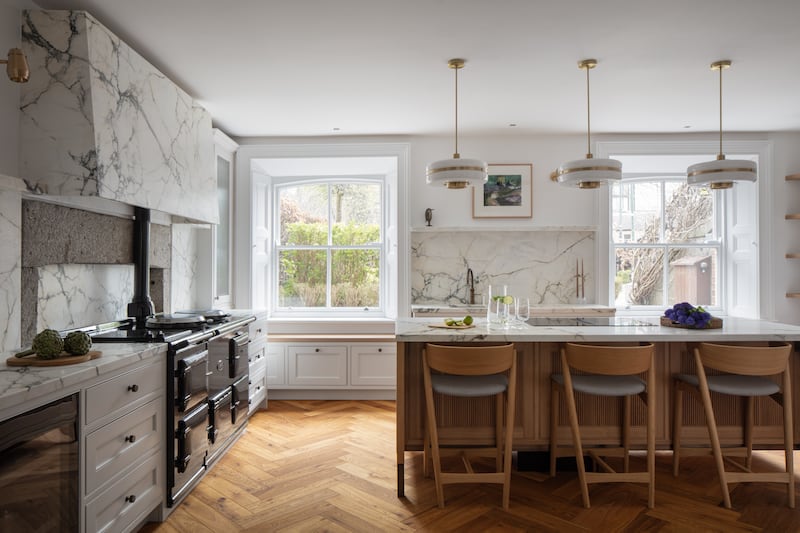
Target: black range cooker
207	386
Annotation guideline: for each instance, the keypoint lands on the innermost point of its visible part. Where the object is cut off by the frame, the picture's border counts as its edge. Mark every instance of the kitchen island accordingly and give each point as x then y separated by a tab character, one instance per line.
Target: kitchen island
471	420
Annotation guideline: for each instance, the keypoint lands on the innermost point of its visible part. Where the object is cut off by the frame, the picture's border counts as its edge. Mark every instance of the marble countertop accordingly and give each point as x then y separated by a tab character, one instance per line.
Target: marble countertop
23	385
536	310
733	330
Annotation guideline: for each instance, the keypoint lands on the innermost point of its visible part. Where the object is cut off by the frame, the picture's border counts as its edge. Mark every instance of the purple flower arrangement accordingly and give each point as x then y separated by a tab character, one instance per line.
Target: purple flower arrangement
686	314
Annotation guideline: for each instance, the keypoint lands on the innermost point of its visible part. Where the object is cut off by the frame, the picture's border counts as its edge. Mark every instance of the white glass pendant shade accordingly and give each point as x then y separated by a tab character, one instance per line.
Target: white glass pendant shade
589	173
457	173
721	173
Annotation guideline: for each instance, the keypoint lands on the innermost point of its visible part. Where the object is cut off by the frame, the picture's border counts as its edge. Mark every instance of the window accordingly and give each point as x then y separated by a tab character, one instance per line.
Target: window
669	242
329	244
666	243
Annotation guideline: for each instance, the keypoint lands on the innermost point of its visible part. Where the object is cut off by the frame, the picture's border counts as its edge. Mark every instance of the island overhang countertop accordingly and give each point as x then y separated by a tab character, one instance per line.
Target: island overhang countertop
733	330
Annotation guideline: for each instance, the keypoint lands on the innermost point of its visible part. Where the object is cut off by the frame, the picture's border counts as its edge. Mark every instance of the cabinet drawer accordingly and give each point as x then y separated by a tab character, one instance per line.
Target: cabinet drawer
114	447
373	364
257	355
258	390
123	391
128	501
257	330
317	365
276	364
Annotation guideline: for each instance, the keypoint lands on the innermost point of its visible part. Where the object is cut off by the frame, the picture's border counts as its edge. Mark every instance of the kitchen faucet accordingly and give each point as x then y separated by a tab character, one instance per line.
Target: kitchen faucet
471	283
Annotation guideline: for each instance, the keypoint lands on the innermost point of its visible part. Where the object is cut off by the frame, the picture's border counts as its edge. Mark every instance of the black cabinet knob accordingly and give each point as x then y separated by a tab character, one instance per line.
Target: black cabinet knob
380	350
133	388
130	438
316	349
130	499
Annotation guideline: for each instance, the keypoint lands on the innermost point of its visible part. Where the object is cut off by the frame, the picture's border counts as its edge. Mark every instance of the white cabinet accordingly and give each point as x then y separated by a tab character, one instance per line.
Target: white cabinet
317	365
276	364
124	448
257	357
324	367
373	364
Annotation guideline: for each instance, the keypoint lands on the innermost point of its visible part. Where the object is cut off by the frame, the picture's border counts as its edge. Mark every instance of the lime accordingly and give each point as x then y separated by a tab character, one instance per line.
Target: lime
449	322
467	320
508	300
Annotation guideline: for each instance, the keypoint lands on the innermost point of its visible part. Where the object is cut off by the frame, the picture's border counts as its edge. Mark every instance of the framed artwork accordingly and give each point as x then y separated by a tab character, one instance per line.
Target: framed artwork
508	193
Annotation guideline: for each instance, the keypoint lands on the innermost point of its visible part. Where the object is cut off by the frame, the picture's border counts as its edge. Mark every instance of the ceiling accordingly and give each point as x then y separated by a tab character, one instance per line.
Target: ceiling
379	67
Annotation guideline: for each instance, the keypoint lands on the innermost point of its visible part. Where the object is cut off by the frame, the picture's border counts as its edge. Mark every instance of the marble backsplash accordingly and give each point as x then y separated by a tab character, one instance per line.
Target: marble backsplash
540	265
10	271
71	296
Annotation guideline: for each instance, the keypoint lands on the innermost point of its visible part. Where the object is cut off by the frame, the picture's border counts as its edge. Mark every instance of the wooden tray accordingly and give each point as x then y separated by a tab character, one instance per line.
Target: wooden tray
33	359
445	326
715	323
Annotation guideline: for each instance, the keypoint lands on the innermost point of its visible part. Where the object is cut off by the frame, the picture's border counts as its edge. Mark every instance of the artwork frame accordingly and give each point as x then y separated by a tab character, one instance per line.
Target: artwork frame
514	200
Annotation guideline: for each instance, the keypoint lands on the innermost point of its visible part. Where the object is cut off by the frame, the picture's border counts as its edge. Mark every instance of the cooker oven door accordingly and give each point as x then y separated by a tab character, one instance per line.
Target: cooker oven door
191	381
191	443
221	428
238	361
241	400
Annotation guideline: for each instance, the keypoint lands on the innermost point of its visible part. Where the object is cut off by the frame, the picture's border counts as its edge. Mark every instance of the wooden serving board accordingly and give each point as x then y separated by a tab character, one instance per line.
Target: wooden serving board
34	360
715	323
445	326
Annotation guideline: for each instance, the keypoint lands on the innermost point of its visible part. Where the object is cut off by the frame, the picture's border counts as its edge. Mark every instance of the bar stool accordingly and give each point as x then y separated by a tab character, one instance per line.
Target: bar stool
745	369
608	371
468	372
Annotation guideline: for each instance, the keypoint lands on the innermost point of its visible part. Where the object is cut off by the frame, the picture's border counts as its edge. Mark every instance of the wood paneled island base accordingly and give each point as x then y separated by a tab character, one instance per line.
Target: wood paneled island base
472	420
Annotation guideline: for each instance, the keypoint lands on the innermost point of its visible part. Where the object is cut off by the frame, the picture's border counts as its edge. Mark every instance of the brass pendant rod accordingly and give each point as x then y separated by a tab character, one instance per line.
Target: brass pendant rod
455	154
588	118
720	113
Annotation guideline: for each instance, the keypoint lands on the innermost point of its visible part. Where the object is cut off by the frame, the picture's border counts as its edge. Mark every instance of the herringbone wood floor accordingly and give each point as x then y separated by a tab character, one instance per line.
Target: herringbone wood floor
330	466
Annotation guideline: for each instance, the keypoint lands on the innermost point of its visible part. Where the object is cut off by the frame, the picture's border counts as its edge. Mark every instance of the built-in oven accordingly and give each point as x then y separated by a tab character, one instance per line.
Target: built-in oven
39	469
191	449
227	358
241	400
220	407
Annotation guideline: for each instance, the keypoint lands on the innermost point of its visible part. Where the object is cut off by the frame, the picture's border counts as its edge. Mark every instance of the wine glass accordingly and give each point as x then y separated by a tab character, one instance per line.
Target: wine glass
522	309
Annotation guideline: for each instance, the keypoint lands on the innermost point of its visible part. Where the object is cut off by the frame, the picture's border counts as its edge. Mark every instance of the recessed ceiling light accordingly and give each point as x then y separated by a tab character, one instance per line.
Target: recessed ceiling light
335	129
512	125
686	127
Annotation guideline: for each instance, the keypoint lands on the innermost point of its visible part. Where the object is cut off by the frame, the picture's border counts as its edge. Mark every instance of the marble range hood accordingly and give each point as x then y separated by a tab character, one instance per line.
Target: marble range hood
98	120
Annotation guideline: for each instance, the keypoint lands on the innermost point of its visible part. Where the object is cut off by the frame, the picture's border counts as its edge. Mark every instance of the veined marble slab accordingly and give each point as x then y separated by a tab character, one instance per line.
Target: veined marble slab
98	120
71	296
184	267
21	387
540	265
733	330
10	269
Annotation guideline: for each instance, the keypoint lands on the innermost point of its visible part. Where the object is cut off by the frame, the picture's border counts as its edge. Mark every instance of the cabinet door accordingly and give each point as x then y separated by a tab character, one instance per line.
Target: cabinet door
276	364
317	365
373	364
257	391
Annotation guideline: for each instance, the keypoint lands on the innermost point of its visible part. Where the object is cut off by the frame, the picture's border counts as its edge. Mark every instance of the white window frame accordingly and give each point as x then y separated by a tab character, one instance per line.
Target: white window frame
288	311
759	302
252	188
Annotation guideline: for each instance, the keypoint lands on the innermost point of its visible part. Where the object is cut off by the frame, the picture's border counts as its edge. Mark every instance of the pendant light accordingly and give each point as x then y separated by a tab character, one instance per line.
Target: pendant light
588	173
457	173
721	173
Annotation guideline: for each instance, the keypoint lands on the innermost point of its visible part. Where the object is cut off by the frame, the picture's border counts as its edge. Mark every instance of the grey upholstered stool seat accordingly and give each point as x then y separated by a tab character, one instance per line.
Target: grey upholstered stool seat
467	373
740	370
604	385
735	384
469	386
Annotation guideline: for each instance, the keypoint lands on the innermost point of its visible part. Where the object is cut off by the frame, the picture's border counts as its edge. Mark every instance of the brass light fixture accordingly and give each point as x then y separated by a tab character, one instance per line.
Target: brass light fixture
16	66
457	173
721	173
588	173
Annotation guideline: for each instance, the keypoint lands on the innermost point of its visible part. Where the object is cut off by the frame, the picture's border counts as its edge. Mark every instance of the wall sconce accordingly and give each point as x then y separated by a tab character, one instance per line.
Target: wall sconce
16	66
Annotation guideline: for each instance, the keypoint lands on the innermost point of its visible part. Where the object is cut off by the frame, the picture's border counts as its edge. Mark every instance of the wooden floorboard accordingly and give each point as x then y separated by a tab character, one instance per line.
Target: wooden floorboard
330	466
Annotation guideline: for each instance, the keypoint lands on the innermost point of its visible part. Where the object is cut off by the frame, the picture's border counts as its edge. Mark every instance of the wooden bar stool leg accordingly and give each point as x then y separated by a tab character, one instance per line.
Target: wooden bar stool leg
426	451
788	433
509	423
498	432
712	431
651	434
749	414
626	432
553	426
677	425
576	435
